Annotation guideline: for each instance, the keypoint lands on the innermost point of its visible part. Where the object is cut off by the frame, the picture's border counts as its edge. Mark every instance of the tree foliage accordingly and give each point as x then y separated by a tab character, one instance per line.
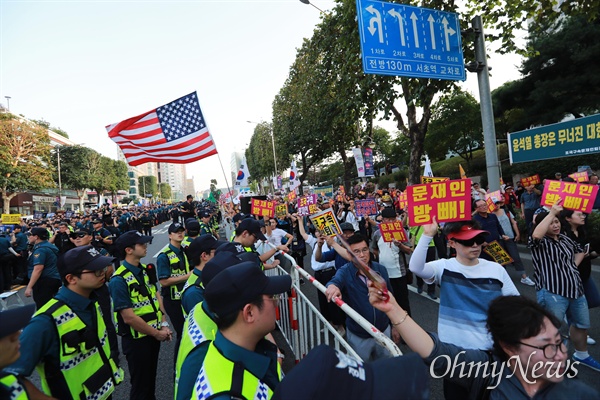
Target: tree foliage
259	154
80	168
147	185
561	78
165	191
455	127
24	158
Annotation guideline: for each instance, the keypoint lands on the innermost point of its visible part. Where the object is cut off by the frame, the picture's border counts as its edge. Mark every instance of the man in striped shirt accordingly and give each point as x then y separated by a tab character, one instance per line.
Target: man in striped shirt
557	281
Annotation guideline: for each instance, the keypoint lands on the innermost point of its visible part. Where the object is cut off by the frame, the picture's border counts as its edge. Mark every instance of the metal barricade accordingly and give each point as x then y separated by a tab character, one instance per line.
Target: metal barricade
304	327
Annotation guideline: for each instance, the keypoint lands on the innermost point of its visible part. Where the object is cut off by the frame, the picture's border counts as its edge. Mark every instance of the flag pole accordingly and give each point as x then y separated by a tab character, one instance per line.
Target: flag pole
224	175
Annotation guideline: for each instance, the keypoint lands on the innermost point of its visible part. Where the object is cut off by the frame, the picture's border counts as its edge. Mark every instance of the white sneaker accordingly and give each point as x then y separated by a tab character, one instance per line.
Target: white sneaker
590	340
527	281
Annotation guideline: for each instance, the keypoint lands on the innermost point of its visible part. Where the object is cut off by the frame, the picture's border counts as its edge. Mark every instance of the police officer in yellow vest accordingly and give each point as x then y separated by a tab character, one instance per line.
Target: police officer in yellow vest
173	271
192	230
199	329
140	314
240	362
12	321
67	339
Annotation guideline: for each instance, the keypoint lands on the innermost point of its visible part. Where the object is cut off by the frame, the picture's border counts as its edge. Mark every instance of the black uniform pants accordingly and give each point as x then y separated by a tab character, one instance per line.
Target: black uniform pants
44	290
142	359
175	313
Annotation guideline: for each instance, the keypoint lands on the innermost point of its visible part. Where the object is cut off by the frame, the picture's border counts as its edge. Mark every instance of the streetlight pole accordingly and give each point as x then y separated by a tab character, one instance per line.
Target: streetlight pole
308	2
59	178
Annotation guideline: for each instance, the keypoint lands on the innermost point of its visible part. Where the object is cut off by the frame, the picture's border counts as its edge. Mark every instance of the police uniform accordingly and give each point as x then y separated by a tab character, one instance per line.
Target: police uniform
193	291
44	253
171	263
147	224
131	287
12	387
68	344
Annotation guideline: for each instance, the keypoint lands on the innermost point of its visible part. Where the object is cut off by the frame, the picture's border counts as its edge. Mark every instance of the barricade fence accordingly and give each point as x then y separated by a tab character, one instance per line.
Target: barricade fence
303	325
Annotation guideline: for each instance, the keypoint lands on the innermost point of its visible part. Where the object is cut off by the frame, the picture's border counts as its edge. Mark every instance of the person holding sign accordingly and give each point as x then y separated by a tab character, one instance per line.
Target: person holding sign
558	282
474	280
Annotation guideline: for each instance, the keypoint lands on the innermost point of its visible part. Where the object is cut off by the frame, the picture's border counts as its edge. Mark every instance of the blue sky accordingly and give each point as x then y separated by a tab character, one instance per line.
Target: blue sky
82	65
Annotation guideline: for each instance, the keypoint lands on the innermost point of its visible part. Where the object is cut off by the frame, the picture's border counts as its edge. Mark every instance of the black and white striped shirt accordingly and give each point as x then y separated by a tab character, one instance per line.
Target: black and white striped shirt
554	266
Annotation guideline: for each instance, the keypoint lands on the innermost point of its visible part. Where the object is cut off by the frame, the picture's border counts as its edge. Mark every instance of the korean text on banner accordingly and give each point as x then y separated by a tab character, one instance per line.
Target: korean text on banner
326	222
431	179
262	208
580	176
576	196
307	205
531	180
281	210
364	208
447	201
491	199
391	231
402	200
498	253
8	219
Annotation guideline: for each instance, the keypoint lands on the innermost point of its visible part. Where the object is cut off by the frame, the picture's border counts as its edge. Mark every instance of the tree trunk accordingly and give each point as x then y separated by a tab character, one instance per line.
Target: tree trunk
6	198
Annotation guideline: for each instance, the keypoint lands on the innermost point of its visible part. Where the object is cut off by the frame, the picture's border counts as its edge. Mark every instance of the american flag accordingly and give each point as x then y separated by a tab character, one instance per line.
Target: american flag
174	133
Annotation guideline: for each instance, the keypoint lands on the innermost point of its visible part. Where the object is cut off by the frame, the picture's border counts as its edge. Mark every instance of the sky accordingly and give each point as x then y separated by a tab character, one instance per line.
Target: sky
82	65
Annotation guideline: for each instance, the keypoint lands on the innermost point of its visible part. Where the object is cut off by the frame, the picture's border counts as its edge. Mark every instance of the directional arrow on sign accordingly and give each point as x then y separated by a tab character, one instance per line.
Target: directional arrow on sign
431	30
448	31
396	14
375	20
414	18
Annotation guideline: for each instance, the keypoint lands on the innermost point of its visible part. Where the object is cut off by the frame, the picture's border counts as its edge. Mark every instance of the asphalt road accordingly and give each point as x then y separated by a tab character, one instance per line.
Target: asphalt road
424	311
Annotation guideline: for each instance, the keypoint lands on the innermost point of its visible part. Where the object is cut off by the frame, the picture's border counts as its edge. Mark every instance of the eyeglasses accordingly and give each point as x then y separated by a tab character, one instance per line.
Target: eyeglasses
81	235
550	350
478	240
98	273
361	251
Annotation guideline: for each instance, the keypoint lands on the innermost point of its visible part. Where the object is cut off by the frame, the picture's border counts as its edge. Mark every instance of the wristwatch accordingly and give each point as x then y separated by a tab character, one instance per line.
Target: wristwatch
165	324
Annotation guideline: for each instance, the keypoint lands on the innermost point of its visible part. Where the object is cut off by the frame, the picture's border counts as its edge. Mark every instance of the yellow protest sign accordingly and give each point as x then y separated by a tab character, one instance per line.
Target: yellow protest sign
326	222
11	219
498	253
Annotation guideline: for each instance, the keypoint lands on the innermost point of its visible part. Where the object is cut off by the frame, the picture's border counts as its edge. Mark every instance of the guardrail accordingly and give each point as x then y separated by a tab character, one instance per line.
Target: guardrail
304	327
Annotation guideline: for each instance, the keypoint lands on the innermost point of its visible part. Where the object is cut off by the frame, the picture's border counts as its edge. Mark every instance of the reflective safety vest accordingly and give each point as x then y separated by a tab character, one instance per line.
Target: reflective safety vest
220	375
177	269
198	328
85	367
186	242
145	302
205	229
193	280
15	389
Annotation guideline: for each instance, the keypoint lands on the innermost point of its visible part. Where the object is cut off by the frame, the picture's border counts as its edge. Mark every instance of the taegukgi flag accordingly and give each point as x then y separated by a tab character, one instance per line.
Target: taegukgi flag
174	133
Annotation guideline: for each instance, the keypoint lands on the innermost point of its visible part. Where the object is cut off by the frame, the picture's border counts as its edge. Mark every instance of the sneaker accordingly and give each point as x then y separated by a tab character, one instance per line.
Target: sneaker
590	340
588	362
527	281
432	296
419	289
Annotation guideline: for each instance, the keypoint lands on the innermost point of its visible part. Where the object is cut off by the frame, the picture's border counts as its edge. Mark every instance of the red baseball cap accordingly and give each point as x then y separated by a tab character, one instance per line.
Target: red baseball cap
465	233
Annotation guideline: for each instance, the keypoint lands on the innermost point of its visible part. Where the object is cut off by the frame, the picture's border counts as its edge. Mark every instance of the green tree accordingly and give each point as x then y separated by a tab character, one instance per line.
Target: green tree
24	158
165	191
259	154
148	185
80	168
561	78
455	127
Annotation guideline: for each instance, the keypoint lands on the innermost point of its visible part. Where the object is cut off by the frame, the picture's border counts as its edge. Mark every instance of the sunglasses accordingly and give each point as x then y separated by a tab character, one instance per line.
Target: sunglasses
478	240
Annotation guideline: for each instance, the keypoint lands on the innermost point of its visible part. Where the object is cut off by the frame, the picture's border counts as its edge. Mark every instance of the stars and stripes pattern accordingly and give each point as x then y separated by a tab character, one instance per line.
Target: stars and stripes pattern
173	133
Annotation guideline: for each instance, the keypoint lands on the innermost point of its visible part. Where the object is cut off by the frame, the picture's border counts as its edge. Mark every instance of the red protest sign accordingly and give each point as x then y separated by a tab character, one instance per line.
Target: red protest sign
576	196
262	208
531	180
391	231
491	199
447	201
402	200
580	176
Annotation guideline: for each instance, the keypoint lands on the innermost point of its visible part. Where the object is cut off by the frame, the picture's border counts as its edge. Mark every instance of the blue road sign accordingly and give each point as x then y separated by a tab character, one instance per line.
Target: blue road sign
402	40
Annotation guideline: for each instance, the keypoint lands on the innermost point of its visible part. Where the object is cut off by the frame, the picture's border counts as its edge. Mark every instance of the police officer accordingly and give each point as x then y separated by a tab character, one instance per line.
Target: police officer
62	238
11	322
147	223
20	246
205	226
102	237
140	314
243	300
201	251
69	331
192	230
8	257
42	269
173	271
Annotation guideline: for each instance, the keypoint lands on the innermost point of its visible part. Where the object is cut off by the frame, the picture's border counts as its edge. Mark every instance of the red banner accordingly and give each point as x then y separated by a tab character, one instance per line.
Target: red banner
262	208
391	231
576	196
531	180
580	176
447	201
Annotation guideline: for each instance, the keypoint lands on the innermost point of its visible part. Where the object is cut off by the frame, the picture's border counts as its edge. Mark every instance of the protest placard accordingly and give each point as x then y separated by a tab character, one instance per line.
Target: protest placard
262	208
491	199
11	219
281	211
391	231
364	208
580	176
576	196
326	222
497	252
431	179
307	205
531	180
447	201
402	200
